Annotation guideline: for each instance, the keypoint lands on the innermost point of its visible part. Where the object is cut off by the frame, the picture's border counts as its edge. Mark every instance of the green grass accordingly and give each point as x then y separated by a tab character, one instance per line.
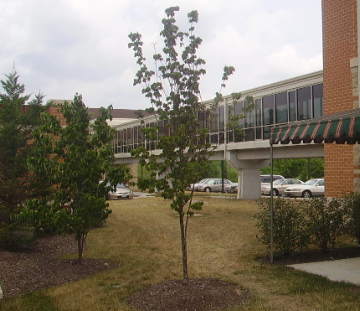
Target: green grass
142	235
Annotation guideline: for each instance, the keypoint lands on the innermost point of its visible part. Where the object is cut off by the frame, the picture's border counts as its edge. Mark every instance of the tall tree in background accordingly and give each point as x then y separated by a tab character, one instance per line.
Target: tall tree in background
82	170
303	169
173	90
19	116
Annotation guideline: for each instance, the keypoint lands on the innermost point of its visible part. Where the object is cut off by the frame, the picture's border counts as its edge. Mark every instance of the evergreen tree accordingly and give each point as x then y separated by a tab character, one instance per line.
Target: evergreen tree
19	116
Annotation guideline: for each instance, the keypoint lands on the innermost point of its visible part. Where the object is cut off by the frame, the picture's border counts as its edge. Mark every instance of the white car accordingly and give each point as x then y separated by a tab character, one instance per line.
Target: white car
265	182
313	187
213	185
196	185
121	192
279	186
231	188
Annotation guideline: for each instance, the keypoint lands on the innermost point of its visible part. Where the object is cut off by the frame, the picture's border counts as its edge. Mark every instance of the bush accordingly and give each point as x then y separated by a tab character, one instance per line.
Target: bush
40	215
16	238
289	228
326	221
352	205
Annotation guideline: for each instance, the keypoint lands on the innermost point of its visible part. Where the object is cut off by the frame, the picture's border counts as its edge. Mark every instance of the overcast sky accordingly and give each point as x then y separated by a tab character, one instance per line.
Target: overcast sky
60	47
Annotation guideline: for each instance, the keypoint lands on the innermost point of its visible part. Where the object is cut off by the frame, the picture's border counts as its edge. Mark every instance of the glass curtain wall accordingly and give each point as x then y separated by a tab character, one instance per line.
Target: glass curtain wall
304	103
281	108
258	118
292	106
252	121
268	114
317	100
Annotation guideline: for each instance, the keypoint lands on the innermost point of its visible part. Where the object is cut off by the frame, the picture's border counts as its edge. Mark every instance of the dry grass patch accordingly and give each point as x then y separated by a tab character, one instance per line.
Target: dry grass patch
142	235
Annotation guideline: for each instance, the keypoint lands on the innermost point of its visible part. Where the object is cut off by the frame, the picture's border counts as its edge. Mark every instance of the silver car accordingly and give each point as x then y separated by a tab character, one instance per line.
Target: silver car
121	192
231	188
279	186
313	187
196	185
265	182
213	185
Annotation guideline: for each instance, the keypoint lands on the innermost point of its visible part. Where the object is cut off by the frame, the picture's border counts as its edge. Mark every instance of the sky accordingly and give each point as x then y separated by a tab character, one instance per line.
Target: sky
66	46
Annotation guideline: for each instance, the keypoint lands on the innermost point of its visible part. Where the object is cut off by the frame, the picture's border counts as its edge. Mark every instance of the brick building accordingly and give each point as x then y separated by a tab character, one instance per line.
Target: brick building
340	80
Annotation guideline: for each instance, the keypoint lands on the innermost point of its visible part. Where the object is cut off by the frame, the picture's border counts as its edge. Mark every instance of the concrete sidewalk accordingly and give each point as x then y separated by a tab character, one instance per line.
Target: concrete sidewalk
344	270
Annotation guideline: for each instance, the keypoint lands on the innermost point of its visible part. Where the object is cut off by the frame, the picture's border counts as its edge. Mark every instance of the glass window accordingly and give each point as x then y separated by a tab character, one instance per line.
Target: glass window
258	118
250	134
221	118
214	126
249	114
292	105
281	108
318	100
202	119
238	111
258	112
268	109
304	103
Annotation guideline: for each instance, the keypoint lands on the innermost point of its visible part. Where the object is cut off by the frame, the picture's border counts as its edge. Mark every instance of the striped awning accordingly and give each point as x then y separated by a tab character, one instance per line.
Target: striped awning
337	128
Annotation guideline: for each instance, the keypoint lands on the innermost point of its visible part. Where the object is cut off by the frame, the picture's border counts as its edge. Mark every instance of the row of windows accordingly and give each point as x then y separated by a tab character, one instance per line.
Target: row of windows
255	118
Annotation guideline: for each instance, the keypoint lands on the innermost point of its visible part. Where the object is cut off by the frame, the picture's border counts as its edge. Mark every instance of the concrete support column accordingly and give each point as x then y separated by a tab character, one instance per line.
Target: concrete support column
249	186
248	175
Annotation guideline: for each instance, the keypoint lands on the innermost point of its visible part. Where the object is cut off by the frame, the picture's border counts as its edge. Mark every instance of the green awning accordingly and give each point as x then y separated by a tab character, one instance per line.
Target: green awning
337	128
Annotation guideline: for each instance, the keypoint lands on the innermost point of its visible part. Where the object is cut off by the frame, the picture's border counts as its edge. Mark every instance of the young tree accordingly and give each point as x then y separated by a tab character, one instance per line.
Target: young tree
173	90
19	116
82	170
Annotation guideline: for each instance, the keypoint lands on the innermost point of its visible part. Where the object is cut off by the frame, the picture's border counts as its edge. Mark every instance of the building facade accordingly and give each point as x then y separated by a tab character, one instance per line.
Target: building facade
341	92
336	89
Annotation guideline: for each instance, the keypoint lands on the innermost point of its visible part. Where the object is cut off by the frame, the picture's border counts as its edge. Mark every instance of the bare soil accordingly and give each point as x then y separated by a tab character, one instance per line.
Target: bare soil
23	272
194	295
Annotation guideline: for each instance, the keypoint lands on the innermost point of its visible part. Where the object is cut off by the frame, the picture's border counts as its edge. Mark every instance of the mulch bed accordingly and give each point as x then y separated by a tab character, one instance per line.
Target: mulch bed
23	272
194	295
316	255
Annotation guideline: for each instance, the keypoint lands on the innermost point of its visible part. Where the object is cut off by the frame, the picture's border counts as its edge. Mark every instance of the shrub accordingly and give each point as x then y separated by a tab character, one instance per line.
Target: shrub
326	220
16	238
289	227
352	205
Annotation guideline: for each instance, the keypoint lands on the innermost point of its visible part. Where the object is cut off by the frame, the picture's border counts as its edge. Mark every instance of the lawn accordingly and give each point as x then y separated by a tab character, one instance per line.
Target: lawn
142	236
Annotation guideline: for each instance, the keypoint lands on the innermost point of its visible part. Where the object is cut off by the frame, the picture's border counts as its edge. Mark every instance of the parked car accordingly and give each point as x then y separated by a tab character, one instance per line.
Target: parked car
196	185
313	187
265	181
279	186
213	185
231	188
121	192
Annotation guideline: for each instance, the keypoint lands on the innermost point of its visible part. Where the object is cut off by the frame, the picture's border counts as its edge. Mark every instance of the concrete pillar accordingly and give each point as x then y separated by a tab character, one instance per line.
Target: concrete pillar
248	176
249	187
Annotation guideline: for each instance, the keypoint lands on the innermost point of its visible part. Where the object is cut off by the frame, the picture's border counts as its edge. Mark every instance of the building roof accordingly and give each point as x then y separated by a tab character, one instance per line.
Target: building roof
119	113
116	113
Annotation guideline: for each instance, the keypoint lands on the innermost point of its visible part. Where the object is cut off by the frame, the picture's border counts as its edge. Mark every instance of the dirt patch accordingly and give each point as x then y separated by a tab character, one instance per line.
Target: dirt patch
194	295
316	255
21	273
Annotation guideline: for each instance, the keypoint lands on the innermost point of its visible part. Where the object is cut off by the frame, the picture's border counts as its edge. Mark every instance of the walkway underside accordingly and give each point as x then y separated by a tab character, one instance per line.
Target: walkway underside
248	159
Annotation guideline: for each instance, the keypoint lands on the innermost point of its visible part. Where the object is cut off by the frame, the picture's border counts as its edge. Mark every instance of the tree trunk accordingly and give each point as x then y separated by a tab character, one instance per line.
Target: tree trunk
183	247
80	241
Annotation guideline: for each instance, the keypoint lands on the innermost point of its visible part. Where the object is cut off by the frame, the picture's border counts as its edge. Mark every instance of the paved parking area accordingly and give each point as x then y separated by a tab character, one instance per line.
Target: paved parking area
343	270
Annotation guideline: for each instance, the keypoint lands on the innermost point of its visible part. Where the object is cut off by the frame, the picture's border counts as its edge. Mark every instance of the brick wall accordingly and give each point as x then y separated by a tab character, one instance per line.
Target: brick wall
55	111
340	48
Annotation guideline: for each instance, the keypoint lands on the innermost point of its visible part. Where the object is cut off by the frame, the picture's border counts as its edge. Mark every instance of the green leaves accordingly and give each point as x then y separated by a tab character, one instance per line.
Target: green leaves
19	119
173	90
78	160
